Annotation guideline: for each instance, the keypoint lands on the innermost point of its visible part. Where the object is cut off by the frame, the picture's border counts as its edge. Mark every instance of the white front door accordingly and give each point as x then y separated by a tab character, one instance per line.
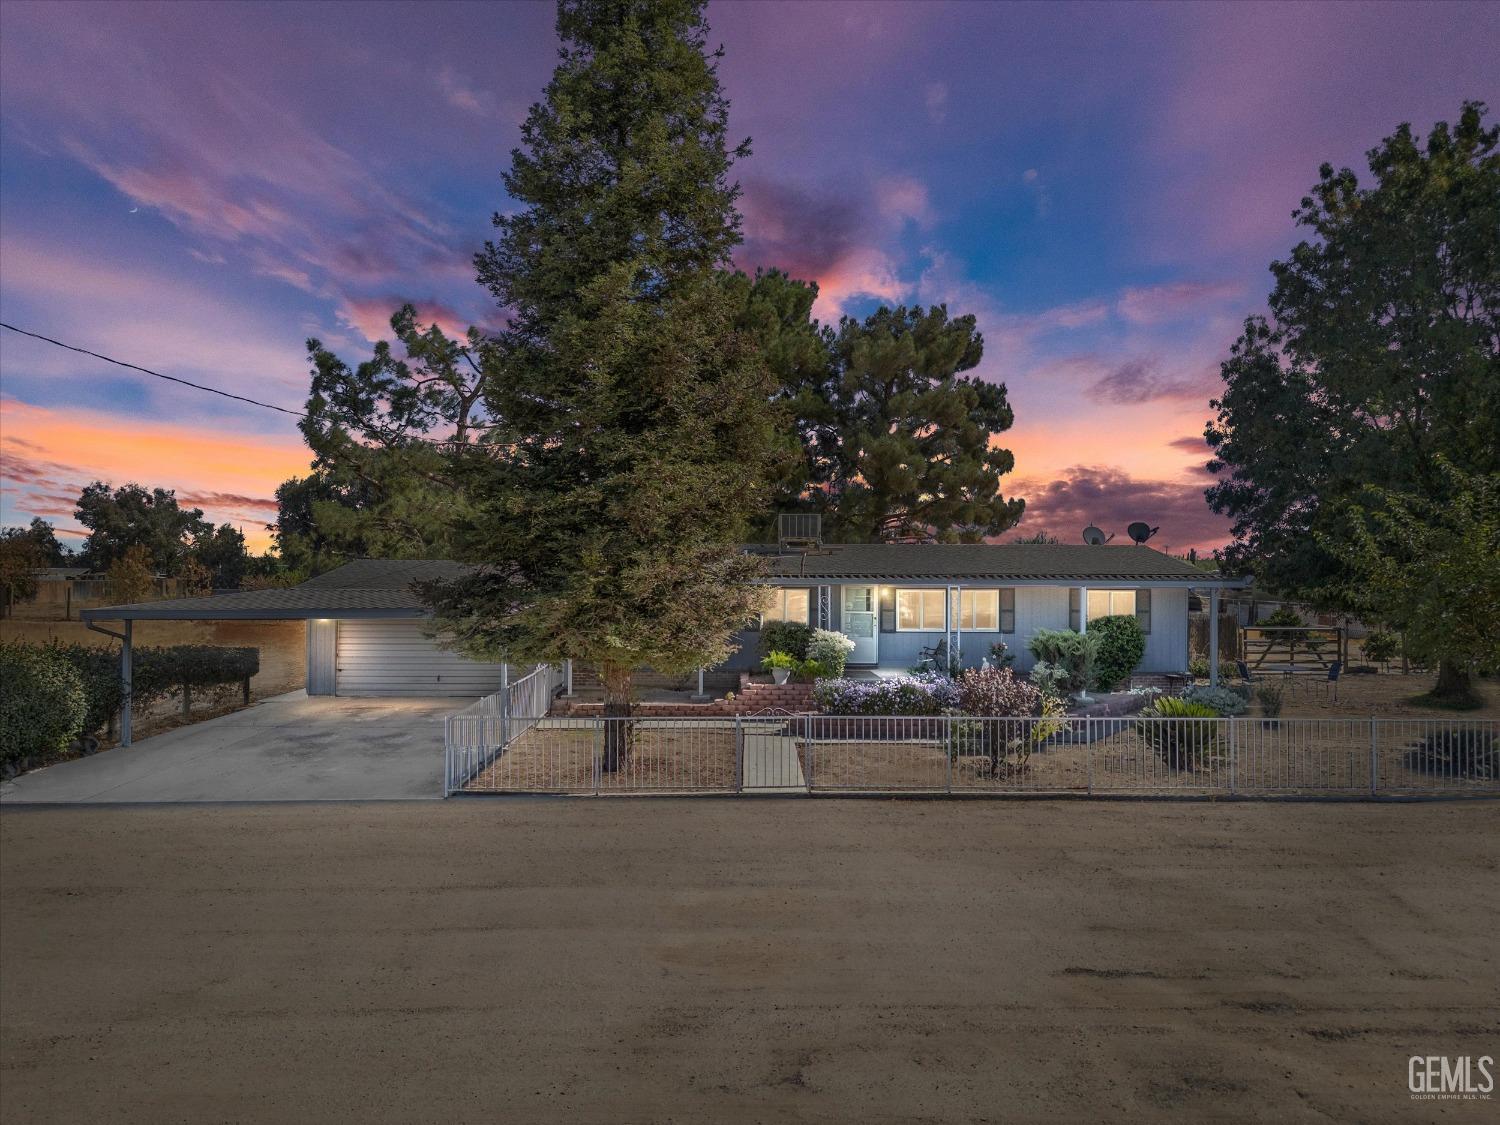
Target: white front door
859	621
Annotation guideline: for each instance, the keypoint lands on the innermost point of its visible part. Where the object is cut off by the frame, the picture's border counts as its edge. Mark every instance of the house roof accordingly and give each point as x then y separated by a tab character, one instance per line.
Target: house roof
1035	563
364	588
374	588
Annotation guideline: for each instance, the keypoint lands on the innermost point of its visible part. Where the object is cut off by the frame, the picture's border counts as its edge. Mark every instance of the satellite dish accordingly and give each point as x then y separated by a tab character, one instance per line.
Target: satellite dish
1094	537
1140	532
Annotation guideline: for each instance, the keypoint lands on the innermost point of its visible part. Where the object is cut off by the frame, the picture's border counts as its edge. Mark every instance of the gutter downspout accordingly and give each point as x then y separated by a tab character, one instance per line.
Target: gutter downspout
125	674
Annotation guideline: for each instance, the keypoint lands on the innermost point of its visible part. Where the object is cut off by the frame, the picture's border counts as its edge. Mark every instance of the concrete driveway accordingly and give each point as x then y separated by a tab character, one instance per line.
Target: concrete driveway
288	748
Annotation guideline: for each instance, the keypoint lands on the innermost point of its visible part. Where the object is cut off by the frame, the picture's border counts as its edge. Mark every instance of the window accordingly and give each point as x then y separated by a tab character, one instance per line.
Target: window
919	610
787	605
1109	603
979	610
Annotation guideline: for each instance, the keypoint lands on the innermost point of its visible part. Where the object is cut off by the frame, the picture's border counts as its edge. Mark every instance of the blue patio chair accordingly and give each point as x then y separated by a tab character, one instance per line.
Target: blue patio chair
1331	685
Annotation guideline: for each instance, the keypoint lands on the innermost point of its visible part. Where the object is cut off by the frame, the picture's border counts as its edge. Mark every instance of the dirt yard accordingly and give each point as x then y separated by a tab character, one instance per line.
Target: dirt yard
773	960
663	757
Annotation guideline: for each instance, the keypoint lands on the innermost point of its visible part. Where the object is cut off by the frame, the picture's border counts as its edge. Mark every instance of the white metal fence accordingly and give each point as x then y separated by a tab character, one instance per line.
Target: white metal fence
474	736
969	755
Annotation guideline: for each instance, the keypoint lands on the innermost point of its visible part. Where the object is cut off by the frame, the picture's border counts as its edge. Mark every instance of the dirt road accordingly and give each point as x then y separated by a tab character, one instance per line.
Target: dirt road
744	960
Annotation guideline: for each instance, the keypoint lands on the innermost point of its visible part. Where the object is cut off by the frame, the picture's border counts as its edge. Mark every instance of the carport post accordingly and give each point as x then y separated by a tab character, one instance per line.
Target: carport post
568	678
1213	637
125	675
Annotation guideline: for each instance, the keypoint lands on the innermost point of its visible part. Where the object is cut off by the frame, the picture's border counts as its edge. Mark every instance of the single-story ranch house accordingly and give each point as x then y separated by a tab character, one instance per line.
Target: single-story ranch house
365	623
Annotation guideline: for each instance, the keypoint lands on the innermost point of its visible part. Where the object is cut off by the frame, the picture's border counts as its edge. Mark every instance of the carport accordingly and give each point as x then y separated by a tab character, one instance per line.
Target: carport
364	632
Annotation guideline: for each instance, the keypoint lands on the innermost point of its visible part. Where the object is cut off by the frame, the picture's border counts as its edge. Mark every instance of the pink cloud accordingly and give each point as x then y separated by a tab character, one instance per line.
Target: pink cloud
1111	498
903	199
371	316
1158	304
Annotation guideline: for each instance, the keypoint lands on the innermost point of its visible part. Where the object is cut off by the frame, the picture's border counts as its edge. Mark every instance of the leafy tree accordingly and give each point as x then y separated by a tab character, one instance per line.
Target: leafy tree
904	446
132	516
131	577
221	554
1431	569
1382	352
384	436
630	421
50	550
20	559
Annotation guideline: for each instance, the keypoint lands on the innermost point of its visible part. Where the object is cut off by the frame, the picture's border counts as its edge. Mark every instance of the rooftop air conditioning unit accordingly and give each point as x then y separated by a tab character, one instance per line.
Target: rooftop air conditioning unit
799	531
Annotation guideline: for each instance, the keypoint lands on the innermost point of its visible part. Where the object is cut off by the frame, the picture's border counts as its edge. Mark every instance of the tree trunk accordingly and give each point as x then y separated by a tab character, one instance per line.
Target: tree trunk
616	680
1454	685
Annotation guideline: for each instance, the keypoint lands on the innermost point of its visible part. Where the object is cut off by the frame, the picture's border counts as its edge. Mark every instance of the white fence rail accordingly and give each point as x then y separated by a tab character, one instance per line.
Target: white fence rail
952	754
473	737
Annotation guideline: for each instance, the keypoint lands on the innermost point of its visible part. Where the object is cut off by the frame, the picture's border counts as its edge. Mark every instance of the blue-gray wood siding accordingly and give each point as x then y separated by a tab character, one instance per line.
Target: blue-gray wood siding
1037	607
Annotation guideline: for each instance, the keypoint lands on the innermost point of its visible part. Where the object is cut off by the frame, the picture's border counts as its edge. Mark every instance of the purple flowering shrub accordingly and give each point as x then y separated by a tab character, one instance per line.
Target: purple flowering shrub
922	693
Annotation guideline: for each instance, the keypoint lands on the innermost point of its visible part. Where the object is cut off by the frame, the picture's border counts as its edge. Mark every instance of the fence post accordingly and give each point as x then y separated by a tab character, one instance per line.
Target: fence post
948	755
504	706
1233	754
1374	757
1088	754
598	748
739	755
807	744
447	755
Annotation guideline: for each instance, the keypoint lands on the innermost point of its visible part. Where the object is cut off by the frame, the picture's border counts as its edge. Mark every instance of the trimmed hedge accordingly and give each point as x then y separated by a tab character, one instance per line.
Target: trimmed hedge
790	637
42	703
155	673
1122	646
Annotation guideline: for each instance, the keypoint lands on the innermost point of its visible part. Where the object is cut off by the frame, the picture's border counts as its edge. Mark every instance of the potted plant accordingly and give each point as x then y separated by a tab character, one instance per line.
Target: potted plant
781	665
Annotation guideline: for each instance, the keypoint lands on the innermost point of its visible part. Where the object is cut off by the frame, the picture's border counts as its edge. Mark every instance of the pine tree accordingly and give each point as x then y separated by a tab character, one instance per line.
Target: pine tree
913	456
632	428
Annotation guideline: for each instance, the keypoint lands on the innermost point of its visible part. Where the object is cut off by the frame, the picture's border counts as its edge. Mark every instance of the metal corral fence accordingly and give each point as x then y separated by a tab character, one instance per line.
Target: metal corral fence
965	755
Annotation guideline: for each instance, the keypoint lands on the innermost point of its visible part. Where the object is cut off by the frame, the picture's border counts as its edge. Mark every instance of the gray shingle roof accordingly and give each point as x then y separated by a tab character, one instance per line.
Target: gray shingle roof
365	588
994	562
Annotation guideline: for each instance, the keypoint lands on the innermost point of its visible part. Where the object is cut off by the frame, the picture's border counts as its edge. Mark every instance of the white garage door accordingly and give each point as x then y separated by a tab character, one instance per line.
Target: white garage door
395	658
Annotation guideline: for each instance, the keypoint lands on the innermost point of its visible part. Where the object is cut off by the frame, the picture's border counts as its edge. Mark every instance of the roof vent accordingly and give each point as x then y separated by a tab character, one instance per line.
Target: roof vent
799	531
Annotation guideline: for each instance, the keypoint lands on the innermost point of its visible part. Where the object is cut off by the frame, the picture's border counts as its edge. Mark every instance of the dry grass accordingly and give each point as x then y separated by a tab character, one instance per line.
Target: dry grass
663	758
1286	758
1384	694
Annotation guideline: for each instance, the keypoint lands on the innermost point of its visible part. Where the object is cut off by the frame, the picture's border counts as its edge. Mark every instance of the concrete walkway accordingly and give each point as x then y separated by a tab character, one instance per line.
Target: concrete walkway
288	748
771	763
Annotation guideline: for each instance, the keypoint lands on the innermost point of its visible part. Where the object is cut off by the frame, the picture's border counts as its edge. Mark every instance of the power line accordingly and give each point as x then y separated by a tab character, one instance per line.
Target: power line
158	374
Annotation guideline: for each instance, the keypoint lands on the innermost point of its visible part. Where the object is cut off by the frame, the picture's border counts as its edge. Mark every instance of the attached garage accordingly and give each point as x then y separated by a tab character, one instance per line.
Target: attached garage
397	658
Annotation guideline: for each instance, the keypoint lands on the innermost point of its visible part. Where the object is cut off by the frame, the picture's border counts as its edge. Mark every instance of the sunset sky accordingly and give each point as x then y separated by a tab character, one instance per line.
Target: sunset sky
197	189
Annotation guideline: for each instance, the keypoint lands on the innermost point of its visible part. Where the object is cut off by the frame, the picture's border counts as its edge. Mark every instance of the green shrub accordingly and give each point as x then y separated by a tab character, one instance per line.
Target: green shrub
791	637
1271	695
1065	659
1180	733
1220	700
779	659
155	673
1198	667
1122	646
828	651
1381	646
1285	617
42	704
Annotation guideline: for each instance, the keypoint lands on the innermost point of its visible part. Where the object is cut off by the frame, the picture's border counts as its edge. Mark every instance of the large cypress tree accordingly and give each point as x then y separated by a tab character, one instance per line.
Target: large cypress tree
633	430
